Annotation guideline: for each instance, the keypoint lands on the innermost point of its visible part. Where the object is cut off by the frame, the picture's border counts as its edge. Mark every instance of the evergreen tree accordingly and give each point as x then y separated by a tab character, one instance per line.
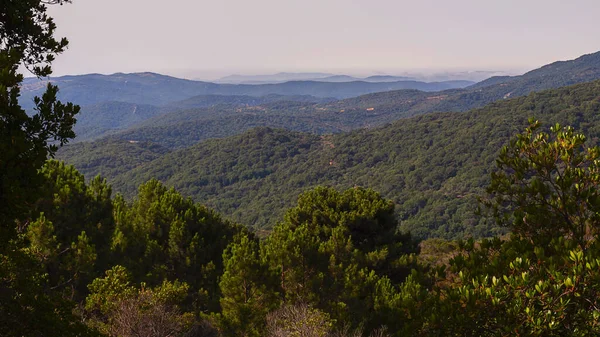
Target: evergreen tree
27	37
81	221
163	235
341	252
28	306
248	288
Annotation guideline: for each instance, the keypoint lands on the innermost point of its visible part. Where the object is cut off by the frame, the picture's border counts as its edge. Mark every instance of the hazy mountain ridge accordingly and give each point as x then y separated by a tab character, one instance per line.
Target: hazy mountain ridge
288	77
270	79
176	130
424	76
156	89
117	102
557	74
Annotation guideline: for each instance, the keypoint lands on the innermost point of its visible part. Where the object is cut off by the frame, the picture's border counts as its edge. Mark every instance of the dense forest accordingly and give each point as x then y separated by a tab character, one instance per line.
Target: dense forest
77	259
98	120
432	166
334	265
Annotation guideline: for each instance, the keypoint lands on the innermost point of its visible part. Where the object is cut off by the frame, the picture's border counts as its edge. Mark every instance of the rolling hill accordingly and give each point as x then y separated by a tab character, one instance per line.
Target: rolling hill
101	119
177	129
97	120
433	166
202	101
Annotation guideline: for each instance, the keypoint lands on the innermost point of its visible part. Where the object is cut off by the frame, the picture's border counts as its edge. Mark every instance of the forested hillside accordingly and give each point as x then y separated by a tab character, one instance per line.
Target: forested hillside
97	120
557	74
94	158
185	128
432	166
201	101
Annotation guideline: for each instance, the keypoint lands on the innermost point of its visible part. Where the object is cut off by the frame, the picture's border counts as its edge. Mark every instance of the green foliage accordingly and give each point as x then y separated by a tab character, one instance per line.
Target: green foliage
299	321
26	141
548	186
335	264
121	309
163	235
248	288
28	305
105	293
28	30
340	259
544	280
338	252
365	217
432	167
517	288
67	223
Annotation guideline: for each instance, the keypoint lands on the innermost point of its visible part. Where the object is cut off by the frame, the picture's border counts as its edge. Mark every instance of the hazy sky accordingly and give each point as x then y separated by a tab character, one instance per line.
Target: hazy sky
201	38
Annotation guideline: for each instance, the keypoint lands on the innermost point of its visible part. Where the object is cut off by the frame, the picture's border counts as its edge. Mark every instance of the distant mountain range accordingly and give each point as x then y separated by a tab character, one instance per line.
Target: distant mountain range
156	89
180	128
475	76
318	77
111	103
181	123
275	78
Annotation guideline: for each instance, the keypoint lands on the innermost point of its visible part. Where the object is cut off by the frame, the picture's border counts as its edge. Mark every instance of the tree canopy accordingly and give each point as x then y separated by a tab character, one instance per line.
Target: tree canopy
26	141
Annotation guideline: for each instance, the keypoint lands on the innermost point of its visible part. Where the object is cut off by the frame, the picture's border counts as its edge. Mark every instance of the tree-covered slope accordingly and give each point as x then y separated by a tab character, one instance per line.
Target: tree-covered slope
433	166
393	105
557	74
97	120
181	129
201	101
109	157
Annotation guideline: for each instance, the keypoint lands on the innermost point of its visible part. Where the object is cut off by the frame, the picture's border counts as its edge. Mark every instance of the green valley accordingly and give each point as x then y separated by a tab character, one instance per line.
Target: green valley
432	166
320	191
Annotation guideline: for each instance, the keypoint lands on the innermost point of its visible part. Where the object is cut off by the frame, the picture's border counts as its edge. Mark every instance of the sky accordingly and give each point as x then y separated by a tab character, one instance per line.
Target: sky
212	38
